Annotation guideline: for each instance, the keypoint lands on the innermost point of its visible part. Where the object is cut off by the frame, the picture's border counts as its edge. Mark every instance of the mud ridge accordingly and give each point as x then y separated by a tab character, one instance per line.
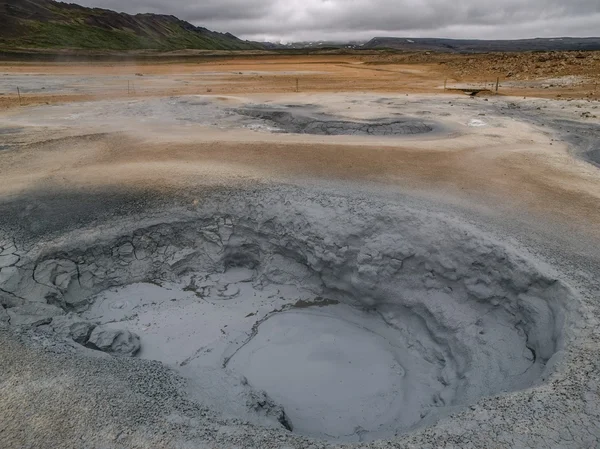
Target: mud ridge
460	315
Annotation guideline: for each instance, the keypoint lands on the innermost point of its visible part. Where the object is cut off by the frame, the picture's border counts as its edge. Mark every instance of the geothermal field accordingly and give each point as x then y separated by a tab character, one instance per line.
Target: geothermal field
298	252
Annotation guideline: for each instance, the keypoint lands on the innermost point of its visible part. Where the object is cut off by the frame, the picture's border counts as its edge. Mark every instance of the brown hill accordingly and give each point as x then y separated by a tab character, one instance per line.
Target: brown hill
50	24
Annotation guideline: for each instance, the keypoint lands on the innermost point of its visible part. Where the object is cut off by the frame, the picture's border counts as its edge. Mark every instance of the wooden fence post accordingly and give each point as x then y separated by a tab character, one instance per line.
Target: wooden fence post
19	94
497	84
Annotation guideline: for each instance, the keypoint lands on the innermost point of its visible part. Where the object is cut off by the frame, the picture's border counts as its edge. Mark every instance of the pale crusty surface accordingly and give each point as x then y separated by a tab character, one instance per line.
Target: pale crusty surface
519	173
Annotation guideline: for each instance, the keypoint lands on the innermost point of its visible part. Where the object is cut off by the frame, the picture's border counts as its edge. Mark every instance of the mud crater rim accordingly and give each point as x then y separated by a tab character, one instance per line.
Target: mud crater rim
432	309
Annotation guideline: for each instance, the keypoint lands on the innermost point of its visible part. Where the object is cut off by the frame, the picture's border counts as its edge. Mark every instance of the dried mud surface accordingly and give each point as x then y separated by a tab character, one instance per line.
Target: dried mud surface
162	259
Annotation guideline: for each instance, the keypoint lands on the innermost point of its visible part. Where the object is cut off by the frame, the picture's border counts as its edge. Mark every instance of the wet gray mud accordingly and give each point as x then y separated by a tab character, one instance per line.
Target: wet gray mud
581	135
305	120
332	317
583	138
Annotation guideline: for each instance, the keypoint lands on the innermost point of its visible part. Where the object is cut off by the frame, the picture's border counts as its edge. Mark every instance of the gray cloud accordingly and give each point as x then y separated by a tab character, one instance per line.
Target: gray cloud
362	19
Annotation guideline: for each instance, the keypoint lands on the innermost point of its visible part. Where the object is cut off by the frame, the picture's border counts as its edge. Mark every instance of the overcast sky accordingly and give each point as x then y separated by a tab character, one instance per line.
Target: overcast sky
306	20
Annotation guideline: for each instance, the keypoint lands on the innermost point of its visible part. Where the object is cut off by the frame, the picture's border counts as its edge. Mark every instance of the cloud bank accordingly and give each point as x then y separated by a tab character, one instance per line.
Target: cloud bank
308	20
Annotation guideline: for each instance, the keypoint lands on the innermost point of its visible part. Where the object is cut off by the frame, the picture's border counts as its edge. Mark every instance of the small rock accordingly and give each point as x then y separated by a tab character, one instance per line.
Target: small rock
114	341
261	403
73	327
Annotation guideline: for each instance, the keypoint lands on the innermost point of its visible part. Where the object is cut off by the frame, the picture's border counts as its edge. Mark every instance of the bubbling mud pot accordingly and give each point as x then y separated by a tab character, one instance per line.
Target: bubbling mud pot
331	317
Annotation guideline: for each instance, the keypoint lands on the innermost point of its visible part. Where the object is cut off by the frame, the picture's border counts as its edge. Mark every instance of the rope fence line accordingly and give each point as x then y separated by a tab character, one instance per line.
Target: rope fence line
139	87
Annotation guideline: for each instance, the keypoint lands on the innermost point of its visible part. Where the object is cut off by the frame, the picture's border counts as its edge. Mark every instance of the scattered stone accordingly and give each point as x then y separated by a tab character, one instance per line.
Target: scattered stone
114	341
261	403
73	327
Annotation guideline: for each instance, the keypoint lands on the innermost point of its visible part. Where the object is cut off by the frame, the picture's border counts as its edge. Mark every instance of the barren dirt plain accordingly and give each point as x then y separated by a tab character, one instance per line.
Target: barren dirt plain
427	260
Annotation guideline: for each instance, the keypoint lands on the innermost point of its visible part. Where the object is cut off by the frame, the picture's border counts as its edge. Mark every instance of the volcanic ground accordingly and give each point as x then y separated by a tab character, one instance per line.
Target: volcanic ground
300	270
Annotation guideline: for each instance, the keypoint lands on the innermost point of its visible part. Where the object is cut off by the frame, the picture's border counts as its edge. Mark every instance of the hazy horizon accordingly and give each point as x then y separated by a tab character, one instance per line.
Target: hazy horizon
361	20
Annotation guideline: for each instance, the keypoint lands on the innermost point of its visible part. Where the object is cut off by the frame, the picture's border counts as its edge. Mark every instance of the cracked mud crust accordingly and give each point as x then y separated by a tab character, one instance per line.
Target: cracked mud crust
442	287
163	259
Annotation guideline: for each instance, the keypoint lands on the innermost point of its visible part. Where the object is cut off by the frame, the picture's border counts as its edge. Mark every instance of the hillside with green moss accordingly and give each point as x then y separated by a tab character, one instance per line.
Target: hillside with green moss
54	25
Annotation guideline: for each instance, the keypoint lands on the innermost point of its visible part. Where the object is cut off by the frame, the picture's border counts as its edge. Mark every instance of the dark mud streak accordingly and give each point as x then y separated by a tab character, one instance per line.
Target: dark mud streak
11	130
583	138
300	304
324	124
41	213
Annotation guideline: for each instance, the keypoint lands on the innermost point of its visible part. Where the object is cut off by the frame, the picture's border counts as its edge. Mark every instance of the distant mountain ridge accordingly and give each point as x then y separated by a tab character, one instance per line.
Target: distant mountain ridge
53	25
482	46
